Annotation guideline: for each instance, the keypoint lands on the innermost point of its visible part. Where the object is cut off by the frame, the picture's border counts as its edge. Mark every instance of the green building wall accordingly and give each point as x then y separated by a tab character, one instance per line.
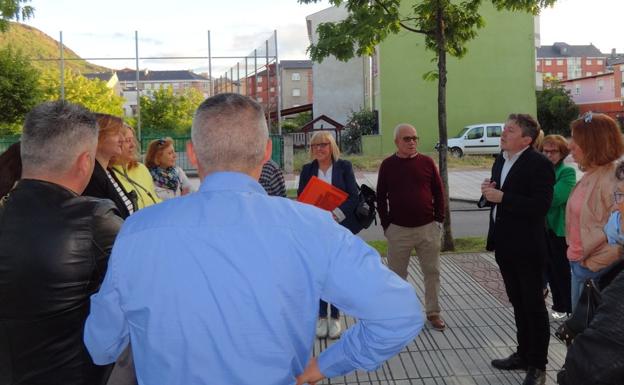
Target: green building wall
494	79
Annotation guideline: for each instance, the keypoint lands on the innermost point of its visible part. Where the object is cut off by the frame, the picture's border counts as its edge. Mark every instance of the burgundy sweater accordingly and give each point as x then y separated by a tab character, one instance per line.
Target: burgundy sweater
412	189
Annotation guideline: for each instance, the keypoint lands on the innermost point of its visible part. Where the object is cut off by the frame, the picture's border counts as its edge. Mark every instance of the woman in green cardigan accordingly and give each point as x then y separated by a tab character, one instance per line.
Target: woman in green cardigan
555	148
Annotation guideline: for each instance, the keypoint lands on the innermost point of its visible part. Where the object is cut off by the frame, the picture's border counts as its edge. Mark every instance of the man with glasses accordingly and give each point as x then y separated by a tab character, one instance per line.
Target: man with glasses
410	202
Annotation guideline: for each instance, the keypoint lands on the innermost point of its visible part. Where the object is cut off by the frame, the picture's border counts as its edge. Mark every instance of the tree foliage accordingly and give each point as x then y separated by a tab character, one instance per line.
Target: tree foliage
294	124
167	113
447	26
14	10
19	91
363	122
556	110
91	93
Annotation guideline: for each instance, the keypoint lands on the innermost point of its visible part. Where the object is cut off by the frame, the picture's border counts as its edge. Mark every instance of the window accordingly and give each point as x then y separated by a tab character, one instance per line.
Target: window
494	131
475	133
588	62
272	89
258	89
537	63
600	84
599	62
548	62
559	62
148	86
577	89
295	76
296	92
176	86
559	75
588	74
259	99
548	74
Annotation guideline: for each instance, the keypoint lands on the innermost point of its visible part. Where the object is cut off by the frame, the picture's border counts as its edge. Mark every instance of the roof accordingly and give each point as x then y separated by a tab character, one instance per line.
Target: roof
566	50
126	75
104	76
293	64
586	77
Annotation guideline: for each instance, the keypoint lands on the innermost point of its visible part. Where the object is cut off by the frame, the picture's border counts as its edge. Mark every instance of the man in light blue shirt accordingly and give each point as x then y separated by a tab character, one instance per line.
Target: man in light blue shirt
222	286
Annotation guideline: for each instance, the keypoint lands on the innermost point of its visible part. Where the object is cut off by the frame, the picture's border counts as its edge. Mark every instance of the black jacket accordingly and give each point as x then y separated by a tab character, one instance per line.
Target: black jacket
343	178
54	249
597	355
101	187
519	230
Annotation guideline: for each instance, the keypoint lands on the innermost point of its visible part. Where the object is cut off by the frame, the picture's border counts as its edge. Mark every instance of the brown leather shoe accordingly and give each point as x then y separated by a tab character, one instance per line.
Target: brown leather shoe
437	322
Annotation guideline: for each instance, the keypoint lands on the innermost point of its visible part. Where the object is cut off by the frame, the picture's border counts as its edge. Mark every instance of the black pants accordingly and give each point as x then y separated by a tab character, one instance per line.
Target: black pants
558	273
523	279
323	310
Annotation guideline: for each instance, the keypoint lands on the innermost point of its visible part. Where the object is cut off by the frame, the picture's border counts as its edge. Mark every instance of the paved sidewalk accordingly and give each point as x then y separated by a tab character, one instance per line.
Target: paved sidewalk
464	185
480	326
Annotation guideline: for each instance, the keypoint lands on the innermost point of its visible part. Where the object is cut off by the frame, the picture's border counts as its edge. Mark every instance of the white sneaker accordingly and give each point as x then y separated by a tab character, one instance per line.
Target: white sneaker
334	328
321	328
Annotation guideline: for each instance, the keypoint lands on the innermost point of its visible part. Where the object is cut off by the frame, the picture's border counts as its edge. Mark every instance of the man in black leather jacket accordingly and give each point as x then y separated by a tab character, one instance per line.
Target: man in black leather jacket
54	249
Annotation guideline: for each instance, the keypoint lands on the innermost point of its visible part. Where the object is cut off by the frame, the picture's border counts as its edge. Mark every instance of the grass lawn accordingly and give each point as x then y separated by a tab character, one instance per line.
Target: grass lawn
462	245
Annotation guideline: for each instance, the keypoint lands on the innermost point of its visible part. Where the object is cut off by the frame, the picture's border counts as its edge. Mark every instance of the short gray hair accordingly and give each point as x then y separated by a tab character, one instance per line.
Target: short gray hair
54	134
398	127
229	133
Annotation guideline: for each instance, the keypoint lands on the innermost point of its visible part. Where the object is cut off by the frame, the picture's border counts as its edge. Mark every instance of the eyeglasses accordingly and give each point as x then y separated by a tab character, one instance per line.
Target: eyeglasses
548	152
408	139
320	145
587	118
618	197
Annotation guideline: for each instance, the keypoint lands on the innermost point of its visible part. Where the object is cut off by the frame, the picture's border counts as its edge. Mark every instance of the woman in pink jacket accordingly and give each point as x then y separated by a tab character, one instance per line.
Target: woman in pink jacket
596	144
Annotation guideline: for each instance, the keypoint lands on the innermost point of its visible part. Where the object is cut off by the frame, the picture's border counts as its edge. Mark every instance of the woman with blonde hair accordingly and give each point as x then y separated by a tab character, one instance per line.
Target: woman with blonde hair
132	174
170	180
103	183
596	145
327	166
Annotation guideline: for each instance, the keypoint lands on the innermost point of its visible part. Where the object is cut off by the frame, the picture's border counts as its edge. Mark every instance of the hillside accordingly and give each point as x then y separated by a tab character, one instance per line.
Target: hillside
37	45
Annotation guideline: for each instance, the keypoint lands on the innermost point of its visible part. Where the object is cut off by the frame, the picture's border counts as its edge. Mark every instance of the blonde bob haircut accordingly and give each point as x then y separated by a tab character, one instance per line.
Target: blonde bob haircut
325	137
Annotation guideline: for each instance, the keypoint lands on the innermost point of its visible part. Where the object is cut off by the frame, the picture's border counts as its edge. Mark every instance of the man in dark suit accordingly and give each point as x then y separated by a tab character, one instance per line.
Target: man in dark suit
519	193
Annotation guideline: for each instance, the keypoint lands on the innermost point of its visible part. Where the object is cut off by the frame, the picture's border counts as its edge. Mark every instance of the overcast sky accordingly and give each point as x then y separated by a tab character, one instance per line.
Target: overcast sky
106	28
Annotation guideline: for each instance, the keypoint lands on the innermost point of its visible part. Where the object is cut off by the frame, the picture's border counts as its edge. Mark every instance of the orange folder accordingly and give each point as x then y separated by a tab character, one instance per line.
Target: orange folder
322	194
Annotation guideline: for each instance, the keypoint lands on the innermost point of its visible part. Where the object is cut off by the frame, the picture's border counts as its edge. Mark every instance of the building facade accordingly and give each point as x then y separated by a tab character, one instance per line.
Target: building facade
297	85
562	61
494	79
599	93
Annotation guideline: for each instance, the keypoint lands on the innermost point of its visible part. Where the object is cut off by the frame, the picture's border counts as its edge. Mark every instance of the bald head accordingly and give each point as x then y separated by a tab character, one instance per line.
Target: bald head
229	134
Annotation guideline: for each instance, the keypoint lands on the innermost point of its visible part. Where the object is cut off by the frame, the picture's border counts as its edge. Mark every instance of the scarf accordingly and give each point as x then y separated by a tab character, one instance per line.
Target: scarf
166	177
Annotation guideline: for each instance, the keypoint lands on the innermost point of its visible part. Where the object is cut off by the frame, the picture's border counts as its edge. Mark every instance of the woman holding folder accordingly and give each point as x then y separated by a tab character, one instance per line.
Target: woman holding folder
327	166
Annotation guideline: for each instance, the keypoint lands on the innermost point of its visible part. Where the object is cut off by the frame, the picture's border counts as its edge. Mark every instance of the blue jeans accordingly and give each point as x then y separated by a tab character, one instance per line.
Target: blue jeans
579	275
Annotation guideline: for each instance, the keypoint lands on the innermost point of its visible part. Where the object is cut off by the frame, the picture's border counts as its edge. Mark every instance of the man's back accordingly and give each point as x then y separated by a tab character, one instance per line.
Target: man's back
54	248
222	286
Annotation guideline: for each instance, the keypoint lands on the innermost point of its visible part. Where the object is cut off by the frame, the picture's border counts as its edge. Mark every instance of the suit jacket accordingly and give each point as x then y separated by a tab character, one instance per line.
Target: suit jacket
101	187
343	178
519	229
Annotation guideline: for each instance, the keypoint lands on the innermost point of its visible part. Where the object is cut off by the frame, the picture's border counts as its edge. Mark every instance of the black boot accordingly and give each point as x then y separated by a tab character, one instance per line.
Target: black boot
534	376
513	362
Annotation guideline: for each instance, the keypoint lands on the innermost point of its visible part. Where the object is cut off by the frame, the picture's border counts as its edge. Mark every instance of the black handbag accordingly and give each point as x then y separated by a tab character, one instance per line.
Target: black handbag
365	212
583	313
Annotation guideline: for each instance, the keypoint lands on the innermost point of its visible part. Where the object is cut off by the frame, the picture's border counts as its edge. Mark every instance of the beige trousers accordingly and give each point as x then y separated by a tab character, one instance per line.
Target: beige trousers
426	240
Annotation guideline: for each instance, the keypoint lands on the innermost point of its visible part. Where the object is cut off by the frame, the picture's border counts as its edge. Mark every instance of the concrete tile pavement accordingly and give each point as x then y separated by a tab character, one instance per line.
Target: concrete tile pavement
480	327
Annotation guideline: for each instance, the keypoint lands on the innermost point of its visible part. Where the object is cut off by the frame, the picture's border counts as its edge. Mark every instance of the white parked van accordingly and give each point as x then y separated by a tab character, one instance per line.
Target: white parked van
478	139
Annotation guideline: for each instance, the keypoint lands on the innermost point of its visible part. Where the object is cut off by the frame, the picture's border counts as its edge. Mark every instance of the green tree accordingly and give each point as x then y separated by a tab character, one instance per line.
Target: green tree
294	124
363	122
556	110
19	91
14	10
447	27
91	93
167	113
